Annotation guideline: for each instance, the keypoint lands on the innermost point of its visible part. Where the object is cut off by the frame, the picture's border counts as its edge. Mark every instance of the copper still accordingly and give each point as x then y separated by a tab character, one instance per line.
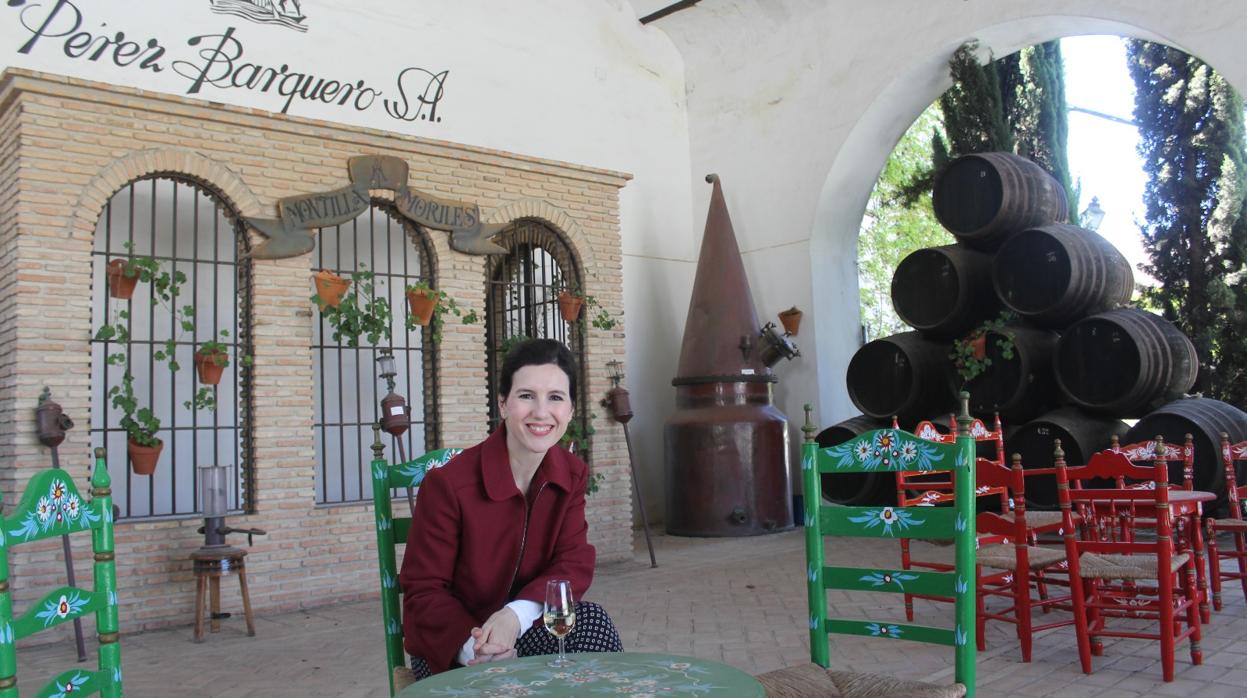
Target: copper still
726	444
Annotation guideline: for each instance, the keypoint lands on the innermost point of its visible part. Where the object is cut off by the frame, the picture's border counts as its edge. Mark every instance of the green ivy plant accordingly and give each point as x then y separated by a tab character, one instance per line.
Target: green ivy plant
579	439
971	360
141	423
360	314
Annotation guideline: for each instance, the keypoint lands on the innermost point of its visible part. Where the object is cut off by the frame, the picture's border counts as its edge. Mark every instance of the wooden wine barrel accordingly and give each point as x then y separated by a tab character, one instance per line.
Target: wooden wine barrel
985	197
856	489
903	375
1081	435
1058	273
1124	362
1021	387
944	291
1204	419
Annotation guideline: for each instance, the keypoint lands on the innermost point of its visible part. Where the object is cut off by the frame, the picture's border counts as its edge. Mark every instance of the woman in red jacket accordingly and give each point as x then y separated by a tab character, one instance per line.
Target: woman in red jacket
498	521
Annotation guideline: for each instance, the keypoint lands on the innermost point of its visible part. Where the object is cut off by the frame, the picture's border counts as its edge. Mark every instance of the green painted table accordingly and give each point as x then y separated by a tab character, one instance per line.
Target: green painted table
609	673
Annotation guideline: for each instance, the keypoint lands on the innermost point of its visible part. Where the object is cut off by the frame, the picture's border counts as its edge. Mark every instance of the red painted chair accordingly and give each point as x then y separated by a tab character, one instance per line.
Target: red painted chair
1107	574
932	488
1014	565
1145	453
1235	525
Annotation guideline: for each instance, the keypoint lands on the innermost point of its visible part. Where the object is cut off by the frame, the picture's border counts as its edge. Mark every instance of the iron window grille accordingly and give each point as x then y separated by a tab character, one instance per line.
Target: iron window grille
347	391
186	228
521	300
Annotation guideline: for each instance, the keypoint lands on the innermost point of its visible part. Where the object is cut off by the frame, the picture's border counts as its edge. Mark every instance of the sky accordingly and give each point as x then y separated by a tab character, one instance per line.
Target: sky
1103	154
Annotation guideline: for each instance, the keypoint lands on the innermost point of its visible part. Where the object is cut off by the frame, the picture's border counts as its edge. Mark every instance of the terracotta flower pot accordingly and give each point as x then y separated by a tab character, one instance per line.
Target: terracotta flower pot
422	304
791	320
569	306
143	458
330	287
978	345
120	285
210	365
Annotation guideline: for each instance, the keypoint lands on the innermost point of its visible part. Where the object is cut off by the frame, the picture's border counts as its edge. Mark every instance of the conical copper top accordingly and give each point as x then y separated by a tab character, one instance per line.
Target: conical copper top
721	318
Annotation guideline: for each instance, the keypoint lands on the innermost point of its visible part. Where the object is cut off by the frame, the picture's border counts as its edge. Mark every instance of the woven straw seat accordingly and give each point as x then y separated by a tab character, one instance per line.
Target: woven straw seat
1004	556
1236	525
1105	566
1039	519
808	680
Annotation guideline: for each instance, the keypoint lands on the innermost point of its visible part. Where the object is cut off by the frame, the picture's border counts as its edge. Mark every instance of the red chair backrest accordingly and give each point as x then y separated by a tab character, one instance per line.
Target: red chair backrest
1231	454
936	489
1101	504
1158	450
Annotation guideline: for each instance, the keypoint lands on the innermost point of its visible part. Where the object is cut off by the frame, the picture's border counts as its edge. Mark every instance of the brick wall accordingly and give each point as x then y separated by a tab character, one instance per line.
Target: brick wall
67	145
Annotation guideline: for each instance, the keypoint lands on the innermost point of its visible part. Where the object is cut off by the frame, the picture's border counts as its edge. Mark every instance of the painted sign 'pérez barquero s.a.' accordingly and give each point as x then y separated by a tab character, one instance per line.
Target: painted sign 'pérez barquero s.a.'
116	42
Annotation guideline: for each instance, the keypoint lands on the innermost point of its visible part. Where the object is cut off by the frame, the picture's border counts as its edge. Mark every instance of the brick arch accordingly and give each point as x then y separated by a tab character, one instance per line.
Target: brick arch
177	162
556	218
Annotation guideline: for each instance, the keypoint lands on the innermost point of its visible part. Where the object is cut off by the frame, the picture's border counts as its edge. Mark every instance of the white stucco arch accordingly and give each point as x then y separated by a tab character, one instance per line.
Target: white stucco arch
842	201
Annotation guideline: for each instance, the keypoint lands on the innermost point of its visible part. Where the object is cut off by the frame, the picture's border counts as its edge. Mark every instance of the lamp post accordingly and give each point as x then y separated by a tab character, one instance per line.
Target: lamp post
1092	216
395	414
619	404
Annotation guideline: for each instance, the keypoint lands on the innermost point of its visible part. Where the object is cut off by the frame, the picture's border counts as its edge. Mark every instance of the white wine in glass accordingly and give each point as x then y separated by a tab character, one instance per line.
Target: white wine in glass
559	615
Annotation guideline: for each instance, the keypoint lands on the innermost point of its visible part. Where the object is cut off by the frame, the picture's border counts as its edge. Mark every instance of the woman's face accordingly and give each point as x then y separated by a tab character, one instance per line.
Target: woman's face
537	410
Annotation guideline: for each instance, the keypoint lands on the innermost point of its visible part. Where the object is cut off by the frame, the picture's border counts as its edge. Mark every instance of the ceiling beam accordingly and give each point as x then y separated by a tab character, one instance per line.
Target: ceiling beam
669	9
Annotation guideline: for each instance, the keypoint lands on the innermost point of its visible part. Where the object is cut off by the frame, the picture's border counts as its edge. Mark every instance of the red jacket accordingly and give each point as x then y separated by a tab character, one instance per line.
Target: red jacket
476	543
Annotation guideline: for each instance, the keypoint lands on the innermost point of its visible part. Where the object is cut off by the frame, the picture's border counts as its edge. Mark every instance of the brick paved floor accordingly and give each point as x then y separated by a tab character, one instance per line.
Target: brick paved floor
740	601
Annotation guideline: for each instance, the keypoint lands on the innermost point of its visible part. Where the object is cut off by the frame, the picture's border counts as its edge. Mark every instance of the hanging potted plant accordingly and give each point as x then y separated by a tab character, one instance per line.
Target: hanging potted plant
211	359
141	425
329	288
423	301
569	305
124	273
359	313
791	320
429	307
969	353
572	299
121	279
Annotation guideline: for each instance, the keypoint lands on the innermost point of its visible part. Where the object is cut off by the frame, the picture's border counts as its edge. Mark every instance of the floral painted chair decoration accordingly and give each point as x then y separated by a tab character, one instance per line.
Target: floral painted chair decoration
393	531
886	450
50	507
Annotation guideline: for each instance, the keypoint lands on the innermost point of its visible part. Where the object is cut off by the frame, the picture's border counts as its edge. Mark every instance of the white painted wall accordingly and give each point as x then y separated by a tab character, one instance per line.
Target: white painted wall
797	104
569	80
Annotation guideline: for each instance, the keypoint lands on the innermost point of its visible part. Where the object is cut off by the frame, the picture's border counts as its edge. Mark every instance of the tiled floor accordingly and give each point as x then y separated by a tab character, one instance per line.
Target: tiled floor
741	601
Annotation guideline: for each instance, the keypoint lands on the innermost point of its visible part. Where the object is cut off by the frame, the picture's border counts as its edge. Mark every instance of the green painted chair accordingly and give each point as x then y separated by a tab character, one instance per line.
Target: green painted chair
392	531
886	450
51	507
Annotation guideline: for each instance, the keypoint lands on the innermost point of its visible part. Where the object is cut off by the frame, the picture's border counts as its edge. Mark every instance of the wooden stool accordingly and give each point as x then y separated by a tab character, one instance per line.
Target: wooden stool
210	565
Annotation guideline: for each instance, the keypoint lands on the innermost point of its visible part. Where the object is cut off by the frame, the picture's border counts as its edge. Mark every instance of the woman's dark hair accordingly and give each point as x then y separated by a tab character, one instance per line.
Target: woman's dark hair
537	352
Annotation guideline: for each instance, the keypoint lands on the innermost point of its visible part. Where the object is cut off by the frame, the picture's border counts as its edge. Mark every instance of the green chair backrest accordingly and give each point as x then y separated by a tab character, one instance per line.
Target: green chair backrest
51	506
890	450
392	531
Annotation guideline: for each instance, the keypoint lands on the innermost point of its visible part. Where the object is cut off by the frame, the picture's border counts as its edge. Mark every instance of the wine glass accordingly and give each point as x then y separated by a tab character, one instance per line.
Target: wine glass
559	615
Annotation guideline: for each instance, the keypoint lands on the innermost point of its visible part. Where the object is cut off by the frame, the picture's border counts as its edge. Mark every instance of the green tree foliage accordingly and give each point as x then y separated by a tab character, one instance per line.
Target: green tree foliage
1038	116
1014	104
1192	142
893	227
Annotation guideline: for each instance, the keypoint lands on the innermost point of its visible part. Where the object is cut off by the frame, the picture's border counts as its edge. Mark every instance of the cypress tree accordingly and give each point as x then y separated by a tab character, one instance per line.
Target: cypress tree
1192	142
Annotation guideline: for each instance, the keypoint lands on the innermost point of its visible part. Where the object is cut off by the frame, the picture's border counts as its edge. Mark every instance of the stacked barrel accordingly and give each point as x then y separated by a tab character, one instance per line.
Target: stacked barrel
1074	364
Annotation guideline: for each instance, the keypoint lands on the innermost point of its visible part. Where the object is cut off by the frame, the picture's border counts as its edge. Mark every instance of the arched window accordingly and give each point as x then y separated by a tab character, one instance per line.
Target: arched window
348	390
177	228
521	300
